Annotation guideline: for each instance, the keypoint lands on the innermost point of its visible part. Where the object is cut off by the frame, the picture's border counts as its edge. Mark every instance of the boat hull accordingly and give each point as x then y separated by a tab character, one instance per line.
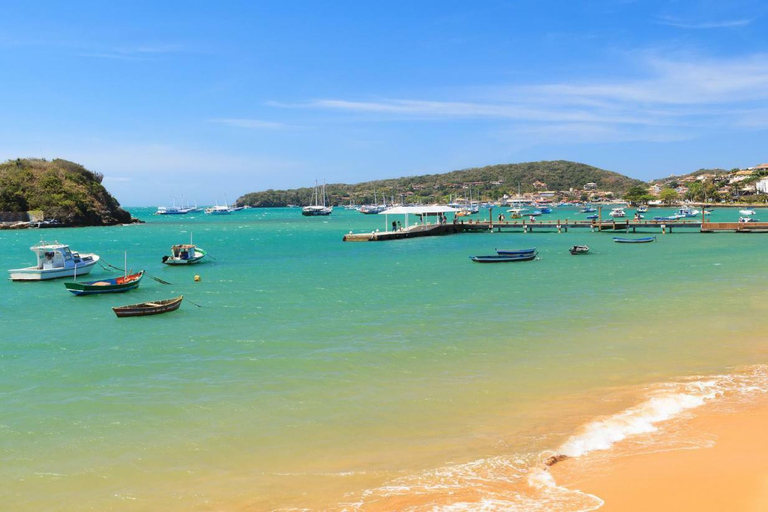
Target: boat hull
116	285
516	252
634	240
579	249
503	259
148	308
37	274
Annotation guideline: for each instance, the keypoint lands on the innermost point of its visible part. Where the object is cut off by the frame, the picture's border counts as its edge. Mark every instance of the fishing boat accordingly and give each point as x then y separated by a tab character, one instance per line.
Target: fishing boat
149	308
515	252
499	258
579	249
184	254
317	209
619	240
747	212
116	285
642	209
54	261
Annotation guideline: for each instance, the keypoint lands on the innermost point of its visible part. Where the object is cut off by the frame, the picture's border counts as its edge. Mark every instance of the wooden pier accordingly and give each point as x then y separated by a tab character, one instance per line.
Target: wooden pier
561	226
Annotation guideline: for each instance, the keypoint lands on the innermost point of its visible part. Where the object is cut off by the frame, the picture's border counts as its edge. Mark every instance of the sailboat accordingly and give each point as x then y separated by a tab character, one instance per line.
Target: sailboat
317	209
370	209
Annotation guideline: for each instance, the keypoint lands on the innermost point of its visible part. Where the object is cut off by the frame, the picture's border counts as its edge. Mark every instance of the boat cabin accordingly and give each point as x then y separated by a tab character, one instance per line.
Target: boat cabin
54	256
183	251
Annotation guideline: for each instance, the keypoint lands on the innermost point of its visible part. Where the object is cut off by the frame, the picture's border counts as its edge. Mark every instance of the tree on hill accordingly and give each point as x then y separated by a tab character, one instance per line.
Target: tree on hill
63	190
668	195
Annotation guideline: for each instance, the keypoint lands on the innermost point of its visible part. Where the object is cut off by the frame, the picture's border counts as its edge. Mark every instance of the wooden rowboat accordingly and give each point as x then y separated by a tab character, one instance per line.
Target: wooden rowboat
116	285
619	240
149	308
515	252
499	258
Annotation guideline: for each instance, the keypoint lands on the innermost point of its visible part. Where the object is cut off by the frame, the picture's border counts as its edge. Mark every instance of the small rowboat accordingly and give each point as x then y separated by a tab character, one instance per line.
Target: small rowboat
149	308
499	258
116	285
515	252
579	249
634	240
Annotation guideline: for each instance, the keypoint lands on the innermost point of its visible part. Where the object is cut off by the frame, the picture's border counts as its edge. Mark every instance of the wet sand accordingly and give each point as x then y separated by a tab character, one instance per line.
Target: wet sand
730	475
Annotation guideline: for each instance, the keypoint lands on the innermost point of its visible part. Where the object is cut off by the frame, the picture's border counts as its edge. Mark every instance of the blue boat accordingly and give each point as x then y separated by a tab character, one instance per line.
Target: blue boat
515	252
500	258
590	217
619	240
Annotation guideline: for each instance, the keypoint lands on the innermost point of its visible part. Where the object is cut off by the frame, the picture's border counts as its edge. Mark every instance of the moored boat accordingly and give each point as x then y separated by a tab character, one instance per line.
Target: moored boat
55	261
115	285
579	249
618	213
515	251
184	254
148	308
317	209
502	258
747	212
645	240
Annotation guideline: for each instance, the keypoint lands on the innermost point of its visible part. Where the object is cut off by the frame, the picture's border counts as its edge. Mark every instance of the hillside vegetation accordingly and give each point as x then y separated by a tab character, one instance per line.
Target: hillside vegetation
487	183
62	190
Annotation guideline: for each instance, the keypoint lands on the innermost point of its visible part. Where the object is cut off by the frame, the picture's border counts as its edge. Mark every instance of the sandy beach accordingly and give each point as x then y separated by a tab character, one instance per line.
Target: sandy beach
731	474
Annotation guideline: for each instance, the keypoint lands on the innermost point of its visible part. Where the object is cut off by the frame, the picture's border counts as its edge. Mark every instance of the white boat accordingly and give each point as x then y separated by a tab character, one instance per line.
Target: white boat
747	219
54	261
317	209
642	209
747	212
687	212
618	212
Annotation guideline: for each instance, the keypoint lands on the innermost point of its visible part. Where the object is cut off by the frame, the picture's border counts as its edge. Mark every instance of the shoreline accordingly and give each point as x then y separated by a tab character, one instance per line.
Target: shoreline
727	470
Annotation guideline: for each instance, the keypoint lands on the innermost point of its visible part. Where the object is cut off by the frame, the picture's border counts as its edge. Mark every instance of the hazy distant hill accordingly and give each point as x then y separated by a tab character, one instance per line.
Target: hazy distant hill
490	182
63	190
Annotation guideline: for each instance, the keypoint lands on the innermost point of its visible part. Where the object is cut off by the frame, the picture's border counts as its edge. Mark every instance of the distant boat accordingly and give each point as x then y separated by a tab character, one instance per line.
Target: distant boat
747	212
588	209
218	210
579	249
687	212
642	209
748	219
115	285
617	212
619	240
515	252
149	308
668	218
591	217
317	209
184	254
55	261
498	258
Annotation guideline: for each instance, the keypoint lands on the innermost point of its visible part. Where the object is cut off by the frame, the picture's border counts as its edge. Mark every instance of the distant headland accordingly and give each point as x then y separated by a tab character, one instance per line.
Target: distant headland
55	193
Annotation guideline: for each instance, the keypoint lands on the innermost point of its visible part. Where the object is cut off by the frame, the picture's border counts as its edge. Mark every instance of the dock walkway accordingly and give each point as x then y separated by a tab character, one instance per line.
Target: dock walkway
523	226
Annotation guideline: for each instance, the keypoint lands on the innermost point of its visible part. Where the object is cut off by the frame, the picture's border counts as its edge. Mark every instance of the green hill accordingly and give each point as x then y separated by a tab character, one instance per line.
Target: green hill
487	183
62	190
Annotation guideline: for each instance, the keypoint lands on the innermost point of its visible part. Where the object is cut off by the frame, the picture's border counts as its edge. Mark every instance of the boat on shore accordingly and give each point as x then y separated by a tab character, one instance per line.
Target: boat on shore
55	261
579	249
504	258
116	285
184	254
645	240
148	308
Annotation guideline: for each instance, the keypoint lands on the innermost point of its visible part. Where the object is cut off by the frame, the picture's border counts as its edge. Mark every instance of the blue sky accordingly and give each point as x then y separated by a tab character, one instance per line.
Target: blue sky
216	99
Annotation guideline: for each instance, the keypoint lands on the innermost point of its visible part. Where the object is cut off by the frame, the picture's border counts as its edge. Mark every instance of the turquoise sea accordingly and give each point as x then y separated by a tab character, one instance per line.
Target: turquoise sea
302	372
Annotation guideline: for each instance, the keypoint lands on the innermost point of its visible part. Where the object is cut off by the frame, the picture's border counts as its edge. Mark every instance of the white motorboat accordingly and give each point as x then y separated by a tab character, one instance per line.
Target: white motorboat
747	212
617	212
54	261
687	212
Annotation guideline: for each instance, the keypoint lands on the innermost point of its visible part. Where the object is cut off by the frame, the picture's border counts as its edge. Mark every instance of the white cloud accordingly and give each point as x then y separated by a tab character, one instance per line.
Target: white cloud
249	123
676	22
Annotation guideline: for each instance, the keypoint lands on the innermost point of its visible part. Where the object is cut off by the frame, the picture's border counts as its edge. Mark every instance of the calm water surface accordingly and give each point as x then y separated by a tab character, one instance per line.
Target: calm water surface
302	371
